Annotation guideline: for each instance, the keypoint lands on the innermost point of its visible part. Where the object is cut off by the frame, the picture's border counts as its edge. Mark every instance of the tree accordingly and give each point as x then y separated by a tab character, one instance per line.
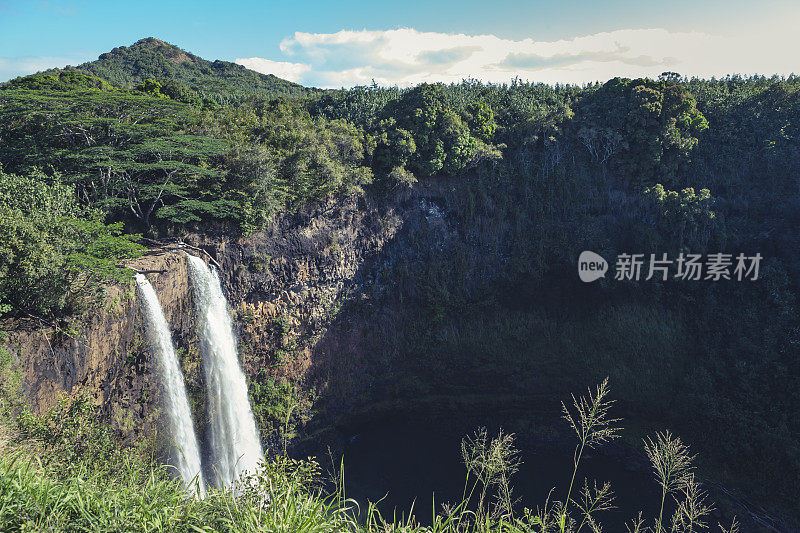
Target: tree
442	140
53	252
658	123
481	121
128	154
684	217
151	88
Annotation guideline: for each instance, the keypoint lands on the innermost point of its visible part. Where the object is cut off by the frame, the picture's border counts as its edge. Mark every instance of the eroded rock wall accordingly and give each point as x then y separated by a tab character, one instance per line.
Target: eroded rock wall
286	286
103	352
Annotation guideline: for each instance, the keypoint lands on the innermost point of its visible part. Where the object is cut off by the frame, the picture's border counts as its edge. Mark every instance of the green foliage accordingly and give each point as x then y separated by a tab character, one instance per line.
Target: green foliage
180	92
129	155
62	80
416	130
481	121
54	253
284	158
157	161
169	88
273	401
658	121
70	431
151	88
394	147
684	217
441	139
360	105
400	178
11	400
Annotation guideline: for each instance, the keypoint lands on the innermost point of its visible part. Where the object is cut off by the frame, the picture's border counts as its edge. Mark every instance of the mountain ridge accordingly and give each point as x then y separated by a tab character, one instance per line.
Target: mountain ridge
153	58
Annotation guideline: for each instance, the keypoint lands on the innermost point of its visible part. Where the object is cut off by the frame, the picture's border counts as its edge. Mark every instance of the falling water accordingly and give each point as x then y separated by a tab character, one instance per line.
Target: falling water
177	404
235	444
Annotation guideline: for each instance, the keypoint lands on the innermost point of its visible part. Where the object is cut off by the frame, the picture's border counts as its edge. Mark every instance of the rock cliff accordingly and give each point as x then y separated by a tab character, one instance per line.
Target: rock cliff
301	293
103	352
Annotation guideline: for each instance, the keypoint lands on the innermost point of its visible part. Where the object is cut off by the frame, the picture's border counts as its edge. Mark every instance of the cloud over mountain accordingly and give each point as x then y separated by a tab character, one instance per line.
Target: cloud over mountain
406	56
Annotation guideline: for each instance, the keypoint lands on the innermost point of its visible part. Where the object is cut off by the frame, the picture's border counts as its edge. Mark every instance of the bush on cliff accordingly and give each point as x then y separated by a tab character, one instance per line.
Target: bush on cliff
54	253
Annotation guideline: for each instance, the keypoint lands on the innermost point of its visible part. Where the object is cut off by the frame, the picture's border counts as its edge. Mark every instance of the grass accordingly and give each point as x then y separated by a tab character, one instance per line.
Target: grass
37	497
62	471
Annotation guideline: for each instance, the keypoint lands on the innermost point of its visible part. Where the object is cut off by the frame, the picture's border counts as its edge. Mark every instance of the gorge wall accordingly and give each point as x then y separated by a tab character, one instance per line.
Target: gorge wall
284	285
356	306
103	352
355	309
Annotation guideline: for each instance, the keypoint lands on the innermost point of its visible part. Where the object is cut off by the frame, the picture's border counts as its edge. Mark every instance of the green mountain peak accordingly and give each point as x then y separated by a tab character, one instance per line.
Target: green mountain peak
156	59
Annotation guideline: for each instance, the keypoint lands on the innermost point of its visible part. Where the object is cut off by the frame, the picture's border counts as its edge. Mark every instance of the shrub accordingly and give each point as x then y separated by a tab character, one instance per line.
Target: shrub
53	252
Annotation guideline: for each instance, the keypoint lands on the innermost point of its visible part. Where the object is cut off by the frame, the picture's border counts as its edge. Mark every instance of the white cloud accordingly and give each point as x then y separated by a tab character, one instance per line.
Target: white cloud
407	56
282	69
11	67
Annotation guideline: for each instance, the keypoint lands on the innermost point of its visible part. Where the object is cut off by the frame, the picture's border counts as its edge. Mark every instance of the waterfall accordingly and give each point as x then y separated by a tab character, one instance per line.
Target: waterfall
176	401
235	443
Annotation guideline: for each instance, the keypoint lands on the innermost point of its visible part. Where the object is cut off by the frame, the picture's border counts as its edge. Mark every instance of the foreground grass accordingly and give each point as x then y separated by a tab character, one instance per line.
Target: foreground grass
37	498
63	472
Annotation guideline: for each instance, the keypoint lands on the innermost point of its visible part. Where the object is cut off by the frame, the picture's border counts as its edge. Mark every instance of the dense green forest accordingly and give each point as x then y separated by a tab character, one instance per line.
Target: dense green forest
152	141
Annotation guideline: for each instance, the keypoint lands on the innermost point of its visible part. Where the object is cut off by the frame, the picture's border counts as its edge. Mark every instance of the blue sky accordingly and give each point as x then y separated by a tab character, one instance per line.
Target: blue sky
347	42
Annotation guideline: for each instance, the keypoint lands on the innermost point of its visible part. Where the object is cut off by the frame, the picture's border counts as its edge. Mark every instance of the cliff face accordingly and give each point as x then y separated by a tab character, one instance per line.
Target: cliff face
308	297
295	270
288	287
105	354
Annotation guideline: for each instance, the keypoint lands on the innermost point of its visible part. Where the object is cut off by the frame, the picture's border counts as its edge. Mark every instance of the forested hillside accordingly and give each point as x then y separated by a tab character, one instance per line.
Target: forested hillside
218	81
151	143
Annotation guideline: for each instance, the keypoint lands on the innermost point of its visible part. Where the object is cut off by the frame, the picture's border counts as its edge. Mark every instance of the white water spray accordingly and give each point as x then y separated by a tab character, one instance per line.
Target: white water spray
235	444
176	401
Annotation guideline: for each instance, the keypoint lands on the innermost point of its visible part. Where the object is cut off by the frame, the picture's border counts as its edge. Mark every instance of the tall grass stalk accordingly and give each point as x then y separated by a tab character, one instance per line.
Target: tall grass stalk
592	424
672	465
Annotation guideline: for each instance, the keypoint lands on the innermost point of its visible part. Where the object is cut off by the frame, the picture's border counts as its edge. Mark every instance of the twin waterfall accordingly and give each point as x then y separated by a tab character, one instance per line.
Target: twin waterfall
234	444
